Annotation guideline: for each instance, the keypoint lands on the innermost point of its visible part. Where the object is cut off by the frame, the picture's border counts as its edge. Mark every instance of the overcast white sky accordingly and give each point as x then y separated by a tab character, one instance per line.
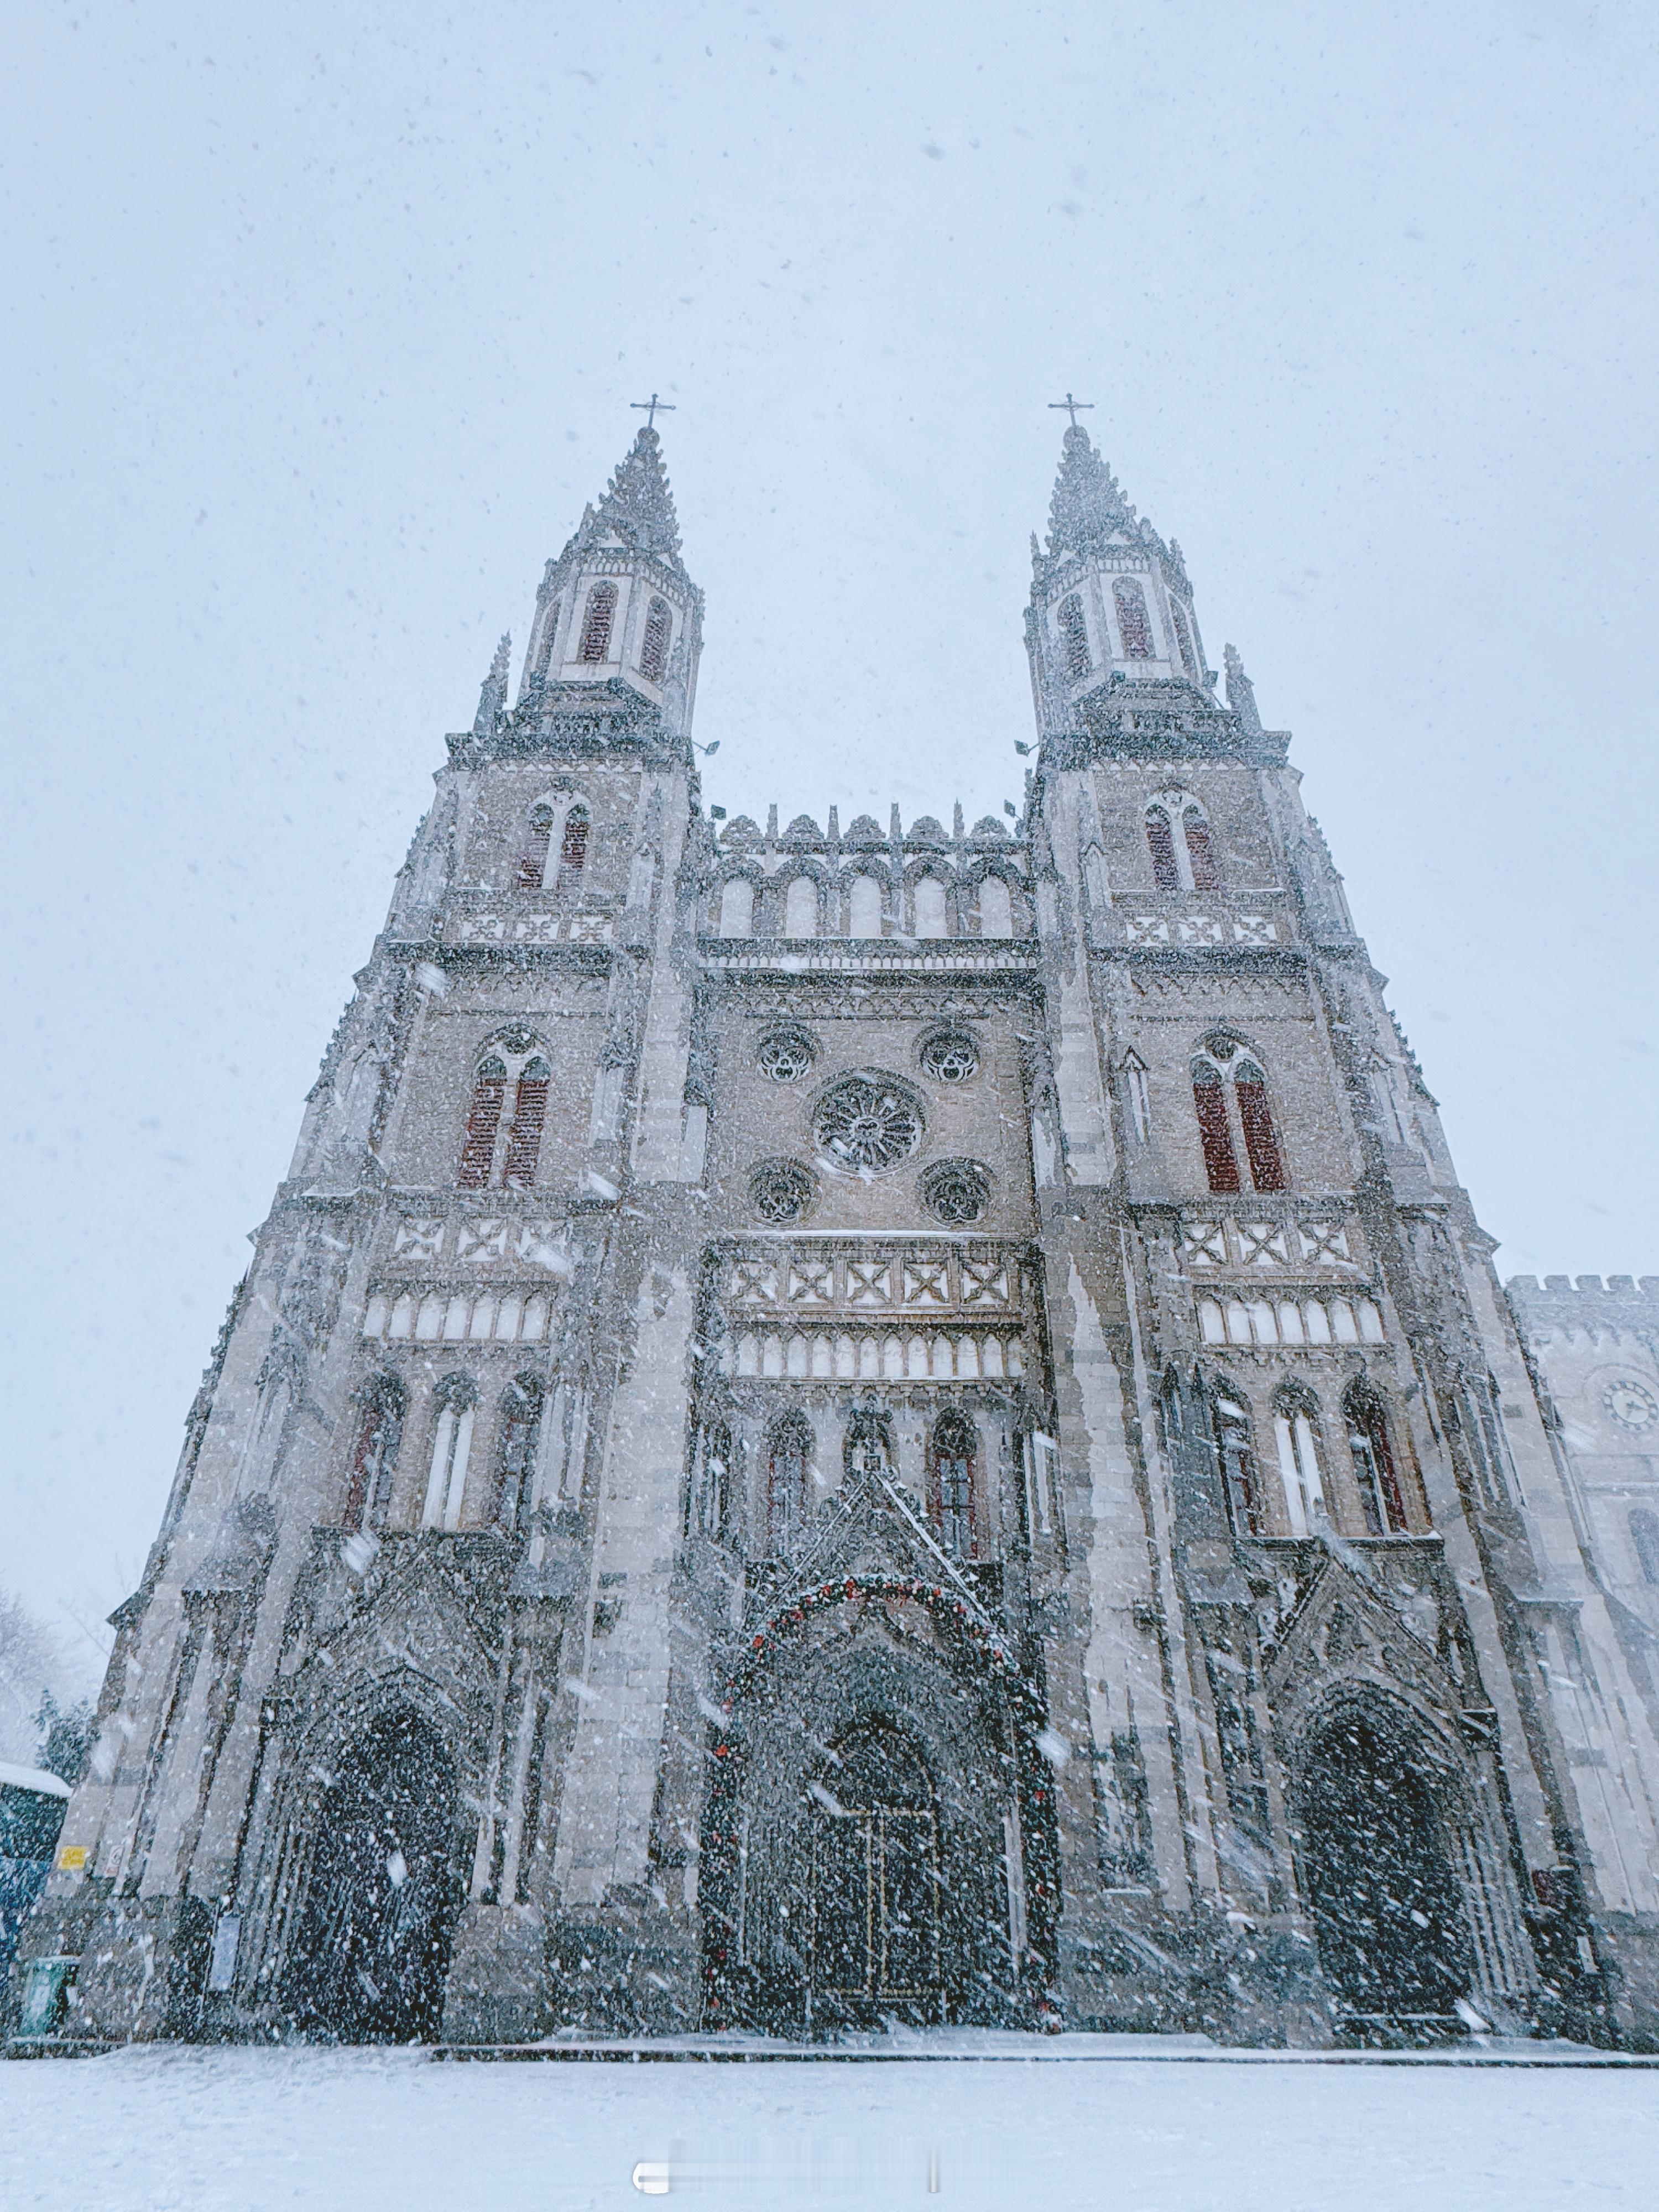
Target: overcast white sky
324	324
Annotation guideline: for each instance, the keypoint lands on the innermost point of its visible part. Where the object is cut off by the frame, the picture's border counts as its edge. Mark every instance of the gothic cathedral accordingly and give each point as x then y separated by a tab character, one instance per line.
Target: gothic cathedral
837	1425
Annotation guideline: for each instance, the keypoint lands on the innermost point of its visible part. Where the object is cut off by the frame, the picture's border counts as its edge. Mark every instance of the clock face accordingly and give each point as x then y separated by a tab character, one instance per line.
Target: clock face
1632	1405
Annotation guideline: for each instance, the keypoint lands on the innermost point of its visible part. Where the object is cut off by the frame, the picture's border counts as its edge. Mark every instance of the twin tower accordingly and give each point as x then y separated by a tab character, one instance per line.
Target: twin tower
866	1422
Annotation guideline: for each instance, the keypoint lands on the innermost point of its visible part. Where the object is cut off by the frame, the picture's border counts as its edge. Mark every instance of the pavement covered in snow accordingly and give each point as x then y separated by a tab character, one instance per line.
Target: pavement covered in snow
172	2129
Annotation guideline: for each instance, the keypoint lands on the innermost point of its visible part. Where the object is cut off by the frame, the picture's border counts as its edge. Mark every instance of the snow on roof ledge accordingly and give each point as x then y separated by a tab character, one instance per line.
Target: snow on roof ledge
33	1777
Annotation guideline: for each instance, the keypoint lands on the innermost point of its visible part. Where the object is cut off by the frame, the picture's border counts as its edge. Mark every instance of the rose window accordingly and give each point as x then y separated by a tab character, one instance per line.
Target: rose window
867	1123
949	1057
786	1055
957	1191
781	1190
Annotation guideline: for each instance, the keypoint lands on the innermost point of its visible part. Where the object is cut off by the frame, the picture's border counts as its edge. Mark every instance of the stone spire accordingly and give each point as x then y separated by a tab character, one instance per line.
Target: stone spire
492	697
638	504
1088	508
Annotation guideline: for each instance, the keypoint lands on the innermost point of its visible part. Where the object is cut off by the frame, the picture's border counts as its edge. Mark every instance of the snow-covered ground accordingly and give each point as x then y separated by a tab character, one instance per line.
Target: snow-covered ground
172	2130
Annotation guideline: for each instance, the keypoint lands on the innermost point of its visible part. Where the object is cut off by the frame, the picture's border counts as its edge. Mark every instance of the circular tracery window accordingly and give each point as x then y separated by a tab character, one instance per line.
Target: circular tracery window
868	1121
949	1057
786	1055
781	1190
957	1191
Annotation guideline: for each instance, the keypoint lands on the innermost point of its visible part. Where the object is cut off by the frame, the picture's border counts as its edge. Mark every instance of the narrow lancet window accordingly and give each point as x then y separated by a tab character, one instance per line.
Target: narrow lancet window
1166	871
374	1455
521	1413
1237	1459
1201	854
653	646
532	861
1134	624
1074	631
597	620
524	1138
488	1094
1210	1099
1256	1119
1298	1462
1374	1475
1183	637
572	845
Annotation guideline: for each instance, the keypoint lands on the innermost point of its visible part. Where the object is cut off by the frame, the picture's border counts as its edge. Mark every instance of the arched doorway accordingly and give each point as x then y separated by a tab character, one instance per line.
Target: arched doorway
1387	1911
875	1878
373	1948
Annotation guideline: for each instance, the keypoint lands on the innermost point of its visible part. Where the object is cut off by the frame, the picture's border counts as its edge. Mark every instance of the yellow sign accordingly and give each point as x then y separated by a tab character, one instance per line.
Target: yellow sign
72	1858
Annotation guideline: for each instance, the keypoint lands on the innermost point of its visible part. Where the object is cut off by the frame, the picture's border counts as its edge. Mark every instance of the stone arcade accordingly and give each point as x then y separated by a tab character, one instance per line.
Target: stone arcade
842	1422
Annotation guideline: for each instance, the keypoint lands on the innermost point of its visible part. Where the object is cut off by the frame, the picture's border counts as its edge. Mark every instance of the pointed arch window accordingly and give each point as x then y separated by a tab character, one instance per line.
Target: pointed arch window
1236	1457
1160	839
951	1482
1200	852
1221	1065
930	907
483	1123
1296	1433
864	908
1134	624
573	844
1136	1083
492	1154
532	861
374	1455
524	1141
598	618
1256	1119
457	1399
1210	1099
788	1478
736	906
654	645
1074	635
515	1457
1380	1497
1183	637
996	908
800	907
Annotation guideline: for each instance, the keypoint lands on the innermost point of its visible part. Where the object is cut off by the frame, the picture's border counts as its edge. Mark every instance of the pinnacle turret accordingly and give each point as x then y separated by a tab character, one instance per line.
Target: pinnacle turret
492	697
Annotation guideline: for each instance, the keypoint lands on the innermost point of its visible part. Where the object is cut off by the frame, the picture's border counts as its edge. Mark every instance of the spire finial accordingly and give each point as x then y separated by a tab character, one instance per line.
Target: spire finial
1072	406
652	408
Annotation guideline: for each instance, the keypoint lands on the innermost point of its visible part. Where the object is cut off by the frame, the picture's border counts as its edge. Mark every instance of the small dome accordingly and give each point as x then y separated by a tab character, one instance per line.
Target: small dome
866	830
740	830
988	826
803	830
924	830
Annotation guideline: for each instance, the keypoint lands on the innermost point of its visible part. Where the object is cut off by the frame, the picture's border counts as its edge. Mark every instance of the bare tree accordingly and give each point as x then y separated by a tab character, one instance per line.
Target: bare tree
31	1669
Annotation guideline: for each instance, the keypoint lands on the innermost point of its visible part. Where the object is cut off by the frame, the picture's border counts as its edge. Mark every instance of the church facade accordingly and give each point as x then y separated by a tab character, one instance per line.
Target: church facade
848	1423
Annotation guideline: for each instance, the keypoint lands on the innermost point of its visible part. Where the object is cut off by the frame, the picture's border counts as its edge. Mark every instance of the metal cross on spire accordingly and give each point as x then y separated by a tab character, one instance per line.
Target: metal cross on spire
652	408
1072	406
